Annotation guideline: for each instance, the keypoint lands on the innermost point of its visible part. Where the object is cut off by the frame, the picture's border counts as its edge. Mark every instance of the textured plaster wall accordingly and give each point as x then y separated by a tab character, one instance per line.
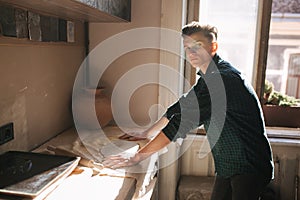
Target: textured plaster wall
36	85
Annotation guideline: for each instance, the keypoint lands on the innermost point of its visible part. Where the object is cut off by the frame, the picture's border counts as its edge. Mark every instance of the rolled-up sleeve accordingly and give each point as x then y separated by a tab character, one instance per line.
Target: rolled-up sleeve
189	112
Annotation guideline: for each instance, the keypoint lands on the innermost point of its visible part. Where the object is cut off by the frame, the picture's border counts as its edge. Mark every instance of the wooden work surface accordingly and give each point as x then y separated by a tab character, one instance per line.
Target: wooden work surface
85	183
81	184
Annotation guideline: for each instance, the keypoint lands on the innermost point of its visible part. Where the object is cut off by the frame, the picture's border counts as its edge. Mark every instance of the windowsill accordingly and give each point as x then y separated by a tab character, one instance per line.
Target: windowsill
280	136
283	132
284	136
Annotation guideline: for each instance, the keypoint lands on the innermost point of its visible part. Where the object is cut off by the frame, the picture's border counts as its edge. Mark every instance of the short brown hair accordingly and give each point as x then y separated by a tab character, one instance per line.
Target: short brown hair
208	31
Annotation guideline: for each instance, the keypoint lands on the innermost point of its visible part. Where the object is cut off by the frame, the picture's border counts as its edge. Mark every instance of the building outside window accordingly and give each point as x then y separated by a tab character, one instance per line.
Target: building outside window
283	63
236	22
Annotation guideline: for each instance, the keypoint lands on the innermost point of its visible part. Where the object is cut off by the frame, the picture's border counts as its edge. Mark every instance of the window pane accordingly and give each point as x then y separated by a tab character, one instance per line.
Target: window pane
236	22
284	52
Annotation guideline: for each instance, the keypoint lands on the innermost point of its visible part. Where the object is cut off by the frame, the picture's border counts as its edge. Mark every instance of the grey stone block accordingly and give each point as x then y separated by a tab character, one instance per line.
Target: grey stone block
195	187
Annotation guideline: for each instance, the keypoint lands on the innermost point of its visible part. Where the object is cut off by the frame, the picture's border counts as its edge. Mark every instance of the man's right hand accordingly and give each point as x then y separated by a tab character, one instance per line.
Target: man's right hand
119	161
134	136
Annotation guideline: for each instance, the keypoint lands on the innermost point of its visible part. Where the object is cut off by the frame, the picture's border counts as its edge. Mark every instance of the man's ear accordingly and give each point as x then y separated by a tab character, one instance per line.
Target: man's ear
214	47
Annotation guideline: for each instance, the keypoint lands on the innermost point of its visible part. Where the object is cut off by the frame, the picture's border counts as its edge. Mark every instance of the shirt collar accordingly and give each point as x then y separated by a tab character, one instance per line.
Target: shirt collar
212	67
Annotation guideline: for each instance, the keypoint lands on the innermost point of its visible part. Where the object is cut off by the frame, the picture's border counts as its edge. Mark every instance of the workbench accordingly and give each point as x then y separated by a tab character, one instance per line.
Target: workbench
88	183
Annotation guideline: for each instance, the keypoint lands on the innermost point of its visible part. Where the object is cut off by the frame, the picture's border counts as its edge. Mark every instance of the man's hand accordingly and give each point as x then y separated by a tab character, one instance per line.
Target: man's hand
119	161
134	136
146	134
154	145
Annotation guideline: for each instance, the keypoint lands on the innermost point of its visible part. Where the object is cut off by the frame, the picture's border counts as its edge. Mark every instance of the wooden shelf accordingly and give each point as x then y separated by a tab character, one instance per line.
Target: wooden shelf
67	9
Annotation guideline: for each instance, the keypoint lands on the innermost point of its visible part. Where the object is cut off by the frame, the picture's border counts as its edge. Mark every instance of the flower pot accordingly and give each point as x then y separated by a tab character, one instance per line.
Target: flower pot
282	116
91	108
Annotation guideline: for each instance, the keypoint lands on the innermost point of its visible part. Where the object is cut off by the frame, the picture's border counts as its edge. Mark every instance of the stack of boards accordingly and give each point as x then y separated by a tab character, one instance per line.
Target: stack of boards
31	175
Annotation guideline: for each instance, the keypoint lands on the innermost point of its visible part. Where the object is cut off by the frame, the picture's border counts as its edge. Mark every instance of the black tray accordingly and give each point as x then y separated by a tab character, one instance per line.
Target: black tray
19	170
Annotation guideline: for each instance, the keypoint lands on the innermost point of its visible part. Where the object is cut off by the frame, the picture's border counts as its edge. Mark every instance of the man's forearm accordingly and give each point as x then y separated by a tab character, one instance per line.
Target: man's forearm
156	144
157	126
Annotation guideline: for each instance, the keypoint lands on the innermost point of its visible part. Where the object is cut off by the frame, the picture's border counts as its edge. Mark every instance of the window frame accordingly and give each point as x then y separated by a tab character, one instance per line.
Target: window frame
260	66
261	47
284	134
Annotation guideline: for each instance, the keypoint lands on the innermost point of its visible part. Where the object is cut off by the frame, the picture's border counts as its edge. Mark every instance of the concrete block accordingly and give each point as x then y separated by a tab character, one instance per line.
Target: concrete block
195	187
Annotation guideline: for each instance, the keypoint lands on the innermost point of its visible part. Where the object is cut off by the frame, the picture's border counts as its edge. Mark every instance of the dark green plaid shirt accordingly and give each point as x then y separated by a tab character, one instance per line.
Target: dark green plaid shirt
228	107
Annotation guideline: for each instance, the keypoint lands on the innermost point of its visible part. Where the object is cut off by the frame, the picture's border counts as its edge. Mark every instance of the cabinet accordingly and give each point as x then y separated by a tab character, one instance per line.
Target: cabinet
82	10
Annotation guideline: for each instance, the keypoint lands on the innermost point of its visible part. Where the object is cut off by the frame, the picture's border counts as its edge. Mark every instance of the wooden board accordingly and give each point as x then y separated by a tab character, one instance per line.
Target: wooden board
7	21
21	23
82	185
66	9
119	146
33	174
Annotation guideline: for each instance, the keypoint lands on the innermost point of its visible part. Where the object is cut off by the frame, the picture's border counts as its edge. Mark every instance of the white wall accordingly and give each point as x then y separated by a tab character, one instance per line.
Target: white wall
143	14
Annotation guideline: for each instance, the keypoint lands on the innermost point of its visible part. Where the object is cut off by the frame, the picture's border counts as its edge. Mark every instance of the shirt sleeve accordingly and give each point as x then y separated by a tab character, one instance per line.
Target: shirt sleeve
189	112
172	110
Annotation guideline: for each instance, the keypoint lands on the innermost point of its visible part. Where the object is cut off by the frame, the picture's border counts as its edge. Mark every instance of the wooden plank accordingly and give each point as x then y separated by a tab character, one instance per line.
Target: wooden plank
92	3
49	29
192	15
168	175
261	46
66	9
103	5
34	26
62	30
7	21
70	31
120	8
21	23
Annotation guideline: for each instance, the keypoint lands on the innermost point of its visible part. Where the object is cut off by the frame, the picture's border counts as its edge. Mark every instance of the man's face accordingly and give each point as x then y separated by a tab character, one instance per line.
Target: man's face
198	49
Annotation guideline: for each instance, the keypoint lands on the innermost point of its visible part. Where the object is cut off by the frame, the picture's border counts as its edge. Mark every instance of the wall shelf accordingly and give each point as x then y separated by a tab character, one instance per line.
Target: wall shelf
115	11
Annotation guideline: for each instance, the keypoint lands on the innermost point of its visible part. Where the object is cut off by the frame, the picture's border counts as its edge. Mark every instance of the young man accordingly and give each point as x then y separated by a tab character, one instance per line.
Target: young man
230	111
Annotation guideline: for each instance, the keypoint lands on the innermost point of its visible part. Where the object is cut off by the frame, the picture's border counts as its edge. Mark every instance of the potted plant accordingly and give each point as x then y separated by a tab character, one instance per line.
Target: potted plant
279	109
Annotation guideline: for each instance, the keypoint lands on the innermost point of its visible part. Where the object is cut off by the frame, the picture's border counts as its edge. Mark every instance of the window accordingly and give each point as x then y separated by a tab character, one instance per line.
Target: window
283	64
283	69
236	23
244	37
